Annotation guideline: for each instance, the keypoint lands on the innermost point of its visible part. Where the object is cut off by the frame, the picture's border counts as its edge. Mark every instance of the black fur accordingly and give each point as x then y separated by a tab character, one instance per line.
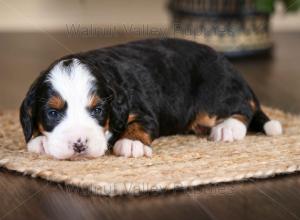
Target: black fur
165	83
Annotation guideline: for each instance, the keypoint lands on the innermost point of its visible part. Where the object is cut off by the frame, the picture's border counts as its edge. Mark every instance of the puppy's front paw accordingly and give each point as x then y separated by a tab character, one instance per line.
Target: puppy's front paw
229	130
131	148
36	145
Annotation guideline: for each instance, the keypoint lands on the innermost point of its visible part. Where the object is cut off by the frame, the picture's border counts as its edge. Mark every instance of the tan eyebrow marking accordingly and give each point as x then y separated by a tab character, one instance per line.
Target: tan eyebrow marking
56	102
94	101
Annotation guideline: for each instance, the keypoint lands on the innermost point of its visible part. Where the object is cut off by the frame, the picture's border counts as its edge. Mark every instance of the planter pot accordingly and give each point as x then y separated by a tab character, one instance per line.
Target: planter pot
232	27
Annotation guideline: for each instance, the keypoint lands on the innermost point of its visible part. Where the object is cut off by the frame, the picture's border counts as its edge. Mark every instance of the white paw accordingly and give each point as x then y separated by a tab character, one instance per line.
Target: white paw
273	128
229	130
36	145
131	148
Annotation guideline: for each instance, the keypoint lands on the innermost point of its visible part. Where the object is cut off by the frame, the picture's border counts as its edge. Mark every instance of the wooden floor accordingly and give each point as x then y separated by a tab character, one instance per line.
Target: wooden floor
276	81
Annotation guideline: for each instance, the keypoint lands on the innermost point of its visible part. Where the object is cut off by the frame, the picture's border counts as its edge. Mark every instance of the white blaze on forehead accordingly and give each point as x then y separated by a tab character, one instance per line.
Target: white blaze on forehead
73	83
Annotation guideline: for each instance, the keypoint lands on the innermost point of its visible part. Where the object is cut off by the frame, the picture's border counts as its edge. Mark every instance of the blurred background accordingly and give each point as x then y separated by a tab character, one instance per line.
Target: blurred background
260	37
54	15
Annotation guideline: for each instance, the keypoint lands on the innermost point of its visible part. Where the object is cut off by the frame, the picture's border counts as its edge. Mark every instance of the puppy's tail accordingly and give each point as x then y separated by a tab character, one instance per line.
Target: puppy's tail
262	123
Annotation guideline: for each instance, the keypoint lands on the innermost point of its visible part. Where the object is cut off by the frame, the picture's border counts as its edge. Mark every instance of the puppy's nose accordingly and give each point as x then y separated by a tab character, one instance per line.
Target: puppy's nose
79	146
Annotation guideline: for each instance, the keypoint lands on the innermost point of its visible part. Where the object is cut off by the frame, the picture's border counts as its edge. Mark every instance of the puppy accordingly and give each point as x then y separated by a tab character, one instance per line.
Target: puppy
123	97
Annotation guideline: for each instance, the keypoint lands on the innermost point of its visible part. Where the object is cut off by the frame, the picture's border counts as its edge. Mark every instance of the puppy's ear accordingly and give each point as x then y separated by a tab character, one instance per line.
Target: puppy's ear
27	112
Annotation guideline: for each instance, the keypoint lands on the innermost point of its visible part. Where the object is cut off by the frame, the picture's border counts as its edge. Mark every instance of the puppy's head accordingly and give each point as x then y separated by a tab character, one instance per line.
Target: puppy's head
68	106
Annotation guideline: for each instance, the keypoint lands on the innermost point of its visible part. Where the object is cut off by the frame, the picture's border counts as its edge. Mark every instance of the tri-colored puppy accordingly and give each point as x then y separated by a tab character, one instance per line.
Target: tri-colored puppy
126	96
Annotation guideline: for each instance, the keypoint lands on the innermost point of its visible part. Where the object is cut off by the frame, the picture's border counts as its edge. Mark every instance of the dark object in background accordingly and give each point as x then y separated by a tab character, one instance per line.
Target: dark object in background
233	27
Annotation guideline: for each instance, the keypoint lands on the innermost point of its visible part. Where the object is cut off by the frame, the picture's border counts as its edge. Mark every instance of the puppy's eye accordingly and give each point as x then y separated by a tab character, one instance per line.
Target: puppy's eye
96	111
53	114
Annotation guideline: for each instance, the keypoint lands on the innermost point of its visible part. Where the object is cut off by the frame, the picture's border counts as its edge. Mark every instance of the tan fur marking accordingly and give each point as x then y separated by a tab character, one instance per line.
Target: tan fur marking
252	105
241	118
94	101
41	128
131	118
203	119
135	131
56	102
106	125
202	123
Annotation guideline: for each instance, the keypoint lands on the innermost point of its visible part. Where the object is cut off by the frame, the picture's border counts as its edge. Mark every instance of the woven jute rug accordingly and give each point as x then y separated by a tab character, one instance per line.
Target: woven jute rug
177	162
